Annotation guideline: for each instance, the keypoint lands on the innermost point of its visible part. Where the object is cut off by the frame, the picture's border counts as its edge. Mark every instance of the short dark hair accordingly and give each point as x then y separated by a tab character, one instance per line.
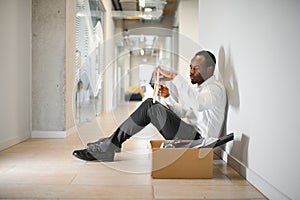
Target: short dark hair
210	59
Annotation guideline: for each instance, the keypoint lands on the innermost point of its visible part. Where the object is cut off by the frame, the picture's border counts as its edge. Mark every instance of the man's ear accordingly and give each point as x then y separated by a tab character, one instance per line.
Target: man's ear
210	70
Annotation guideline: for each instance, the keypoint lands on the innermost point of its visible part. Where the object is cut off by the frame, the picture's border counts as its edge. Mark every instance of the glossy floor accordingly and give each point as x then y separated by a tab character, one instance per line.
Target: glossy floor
46	169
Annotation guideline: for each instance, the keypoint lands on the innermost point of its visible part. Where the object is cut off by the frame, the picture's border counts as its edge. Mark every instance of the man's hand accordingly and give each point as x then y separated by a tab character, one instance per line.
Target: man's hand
163	91
168	75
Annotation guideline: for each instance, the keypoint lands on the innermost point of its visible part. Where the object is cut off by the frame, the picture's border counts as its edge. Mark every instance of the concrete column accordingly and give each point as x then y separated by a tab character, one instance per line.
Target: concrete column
53	63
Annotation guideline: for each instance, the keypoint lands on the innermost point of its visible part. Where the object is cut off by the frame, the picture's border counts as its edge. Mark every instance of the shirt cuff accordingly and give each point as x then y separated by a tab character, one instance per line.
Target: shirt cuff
169	101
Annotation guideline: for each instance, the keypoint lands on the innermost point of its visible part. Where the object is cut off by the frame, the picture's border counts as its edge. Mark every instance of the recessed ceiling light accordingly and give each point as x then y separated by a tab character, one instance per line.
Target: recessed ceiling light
142	52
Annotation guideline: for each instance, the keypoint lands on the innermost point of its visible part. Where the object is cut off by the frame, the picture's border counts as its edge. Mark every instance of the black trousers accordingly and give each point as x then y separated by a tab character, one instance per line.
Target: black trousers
166	121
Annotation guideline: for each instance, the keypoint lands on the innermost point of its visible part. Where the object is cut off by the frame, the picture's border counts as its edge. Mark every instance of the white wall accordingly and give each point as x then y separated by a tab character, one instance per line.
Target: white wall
257	43
15	70
188	34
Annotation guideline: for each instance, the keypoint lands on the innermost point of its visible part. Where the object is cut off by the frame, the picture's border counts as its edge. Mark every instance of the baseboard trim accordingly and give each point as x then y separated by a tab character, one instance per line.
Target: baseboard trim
49	134
10	142
252	177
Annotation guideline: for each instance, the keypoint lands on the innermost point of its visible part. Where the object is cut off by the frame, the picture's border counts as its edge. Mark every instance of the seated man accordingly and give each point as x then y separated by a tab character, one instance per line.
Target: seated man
198	113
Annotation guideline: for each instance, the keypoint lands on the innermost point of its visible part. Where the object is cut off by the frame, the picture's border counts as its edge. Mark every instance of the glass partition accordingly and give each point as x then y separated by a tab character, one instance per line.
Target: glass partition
89	60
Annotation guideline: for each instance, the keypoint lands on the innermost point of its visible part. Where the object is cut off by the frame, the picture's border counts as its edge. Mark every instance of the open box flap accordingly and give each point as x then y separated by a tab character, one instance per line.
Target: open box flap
220	141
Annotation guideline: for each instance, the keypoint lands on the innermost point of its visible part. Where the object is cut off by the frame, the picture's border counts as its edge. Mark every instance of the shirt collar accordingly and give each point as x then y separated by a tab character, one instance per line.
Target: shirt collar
209	80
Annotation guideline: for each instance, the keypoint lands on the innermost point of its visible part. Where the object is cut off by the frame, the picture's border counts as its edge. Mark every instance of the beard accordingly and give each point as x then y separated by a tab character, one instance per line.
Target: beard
197	80
193	82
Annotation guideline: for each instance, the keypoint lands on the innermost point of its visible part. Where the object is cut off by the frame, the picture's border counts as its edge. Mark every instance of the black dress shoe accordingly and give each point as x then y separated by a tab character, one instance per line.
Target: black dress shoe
83	155
107	156
100	156
116	149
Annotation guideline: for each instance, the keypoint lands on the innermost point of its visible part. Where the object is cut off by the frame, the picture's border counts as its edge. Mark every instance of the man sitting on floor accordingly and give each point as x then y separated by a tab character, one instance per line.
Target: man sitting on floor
198	113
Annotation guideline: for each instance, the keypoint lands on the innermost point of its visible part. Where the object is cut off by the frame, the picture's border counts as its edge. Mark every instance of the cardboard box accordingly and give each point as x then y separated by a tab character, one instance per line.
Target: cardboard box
181	162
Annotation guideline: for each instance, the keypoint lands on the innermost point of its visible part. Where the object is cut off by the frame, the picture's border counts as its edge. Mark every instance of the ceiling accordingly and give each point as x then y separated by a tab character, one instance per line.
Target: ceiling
141	20
143	10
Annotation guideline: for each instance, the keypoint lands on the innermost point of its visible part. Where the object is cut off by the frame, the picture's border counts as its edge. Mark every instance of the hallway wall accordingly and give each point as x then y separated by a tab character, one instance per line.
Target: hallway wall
188	37
257	43
15	71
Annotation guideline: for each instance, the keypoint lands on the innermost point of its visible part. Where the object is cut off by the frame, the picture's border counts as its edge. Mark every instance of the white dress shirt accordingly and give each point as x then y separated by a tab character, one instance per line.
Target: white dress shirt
202	106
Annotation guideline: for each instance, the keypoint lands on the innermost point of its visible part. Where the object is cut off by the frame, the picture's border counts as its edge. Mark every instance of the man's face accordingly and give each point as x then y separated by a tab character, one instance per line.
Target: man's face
198	72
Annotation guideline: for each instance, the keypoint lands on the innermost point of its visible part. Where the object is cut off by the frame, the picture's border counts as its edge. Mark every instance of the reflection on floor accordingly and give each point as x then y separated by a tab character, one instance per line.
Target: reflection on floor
45	169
